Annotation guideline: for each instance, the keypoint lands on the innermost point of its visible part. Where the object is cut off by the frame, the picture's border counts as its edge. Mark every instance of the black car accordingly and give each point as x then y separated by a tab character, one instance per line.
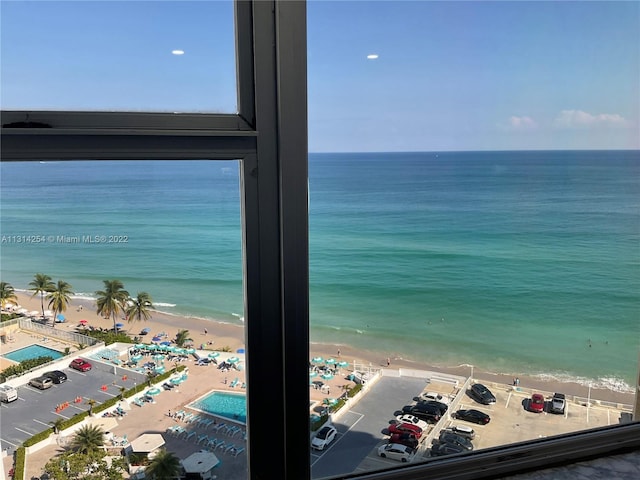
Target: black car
440	449
474	416
450	437
481	394
428	413
56	376
439	405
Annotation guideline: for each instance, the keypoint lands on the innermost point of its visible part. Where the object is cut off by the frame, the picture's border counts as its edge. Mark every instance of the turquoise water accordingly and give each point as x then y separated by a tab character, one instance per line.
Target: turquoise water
514	262
32	351
222	404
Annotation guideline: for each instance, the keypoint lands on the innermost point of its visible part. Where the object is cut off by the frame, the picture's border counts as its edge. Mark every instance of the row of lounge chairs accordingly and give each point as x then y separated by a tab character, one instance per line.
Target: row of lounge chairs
212	443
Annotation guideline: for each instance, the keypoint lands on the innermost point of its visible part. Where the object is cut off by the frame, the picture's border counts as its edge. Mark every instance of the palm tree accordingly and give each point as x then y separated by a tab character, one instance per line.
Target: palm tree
57	423
111	301
41	284
87	439
181	337
91	402
164	466
7	294
59	298
138	308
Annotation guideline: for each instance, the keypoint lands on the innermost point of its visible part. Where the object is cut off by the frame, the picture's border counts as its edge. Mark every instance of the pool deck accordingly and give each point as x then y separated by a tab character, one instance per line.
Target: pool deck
23	339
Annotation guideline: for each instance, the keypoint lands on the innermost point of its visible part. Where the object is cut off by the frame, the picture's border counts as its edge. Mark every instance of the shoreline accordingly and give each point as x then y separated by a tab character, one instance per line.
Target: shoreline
224	334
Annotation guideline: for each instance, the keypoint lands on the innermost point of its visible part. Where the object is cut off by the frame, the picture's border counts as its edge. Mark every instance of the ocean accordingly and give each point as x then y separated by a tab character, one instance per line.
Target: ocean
524	263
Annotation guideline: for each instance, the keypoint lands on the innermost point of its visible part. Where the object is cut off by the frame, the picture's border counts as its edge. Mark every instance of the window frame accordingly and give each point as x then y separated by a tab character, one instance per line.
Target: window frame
269	137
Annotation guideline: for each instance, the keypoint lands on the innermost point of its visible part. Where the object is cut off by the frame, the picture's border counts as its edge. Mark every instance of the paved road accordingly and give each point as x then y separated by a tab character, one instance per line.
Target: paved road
34	409
360	429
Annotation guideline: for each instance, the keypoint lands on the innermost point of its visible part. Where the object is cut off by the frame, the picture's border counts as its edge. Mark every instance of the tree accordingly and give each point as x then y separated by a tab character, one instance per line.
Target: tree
92	403
182	337
139	308
164	466
92	466
110	301
59	298
88	439
7	294
57	423
41	284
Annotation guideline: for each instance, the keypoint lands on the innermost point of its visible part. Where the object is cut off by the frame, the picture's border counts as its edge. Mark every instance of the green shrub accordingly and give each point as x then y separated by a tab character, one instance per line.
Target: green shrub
21	456
77	418
24	367
108	336
38	437
352	392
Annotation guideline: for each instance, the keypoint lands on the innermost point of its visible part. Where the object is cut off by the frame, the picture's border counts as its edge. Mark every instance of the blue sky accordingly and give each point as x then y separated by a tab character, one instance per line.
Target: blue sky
449	75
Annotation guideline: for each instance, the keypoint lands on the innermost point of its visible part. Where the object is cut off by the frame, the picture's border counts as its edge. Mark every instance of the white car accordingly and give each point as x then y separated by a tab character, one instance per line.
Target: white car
324	437
462	430
396	451
435	397
413	420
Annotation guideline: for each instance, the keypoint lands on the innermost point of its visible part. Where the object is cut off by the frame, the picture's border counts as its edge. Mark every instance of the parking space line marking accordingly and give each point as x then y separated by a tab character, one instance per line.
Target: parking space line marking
42	423
23	431
7	441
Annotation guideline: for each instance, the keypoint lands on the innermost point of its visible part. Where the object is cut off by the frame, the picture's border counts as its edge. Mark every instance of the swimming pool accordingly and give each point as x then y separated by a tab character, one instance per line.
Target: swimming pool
232	406
32	351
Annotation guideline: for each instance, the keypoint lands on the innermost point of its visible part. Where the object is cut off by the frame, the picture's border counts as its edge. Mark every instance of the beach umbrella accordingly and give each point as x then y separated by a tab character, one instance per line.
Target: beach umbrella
136	358
158	356
330	401
189	351
152	347
119	325
84	322
330	360
140	346
166	344
156	339
176	381
214	355
317	359
171	348
160	369
343	364
60	318
145	331
240	350
233	359
152	392
327	376
312	373
162	348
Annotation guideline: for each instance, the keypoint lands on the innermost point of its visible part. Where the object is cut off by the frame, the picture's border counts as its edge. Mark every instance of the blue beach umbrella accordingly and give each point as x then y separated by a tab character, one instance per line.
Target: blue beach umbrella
327	376
343	364
152	392
140	346
233	359
214	355
119	325
166	344
317	359
136	358
330	361
60	318
240	350
312	373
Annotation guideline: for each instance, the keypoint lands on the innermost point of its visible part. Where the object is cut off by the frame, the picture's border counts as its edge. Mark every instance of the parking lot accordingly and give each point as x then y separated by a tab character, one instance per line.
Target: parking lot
34	409
361	429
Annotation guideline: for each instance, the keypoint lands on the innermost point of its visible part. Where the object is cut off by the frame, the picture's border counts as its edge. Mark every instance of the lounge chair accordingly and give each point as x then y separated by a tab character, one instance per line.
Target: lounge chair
232	430
220	426
139	402
212	443
238	451
221	445
229	447
191	434
201	438
234	383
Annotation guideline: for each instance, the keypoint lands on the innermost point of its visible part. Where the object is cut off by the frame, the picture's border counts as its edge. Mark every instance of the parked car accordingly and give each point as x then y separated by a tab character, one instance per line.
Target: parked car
443	407
434	396
440	449
324	437
481	394
450	437
412	420
536	404
406	439
428	413
80	364
41	382
558	403
8	393
396	452
461	430
474	416
405	428
57	376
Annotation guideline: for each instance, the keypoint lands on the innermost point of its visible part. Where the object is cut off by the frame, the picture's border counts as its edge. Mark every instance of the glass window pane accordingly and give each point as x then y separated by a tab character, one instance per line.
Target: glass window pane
158	56
171	229
494	240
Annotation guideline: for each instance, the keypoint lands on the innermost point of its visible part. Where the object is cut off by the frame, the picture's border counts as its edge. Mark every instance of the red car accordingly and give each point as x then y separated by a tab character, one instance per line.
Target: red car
537	403
405	428
80	364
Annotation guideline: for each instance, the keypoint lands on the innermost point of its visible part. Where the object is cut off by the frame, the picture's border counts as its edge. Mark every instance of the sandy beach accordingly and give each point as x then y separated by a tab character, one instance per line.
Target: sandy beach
226	335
